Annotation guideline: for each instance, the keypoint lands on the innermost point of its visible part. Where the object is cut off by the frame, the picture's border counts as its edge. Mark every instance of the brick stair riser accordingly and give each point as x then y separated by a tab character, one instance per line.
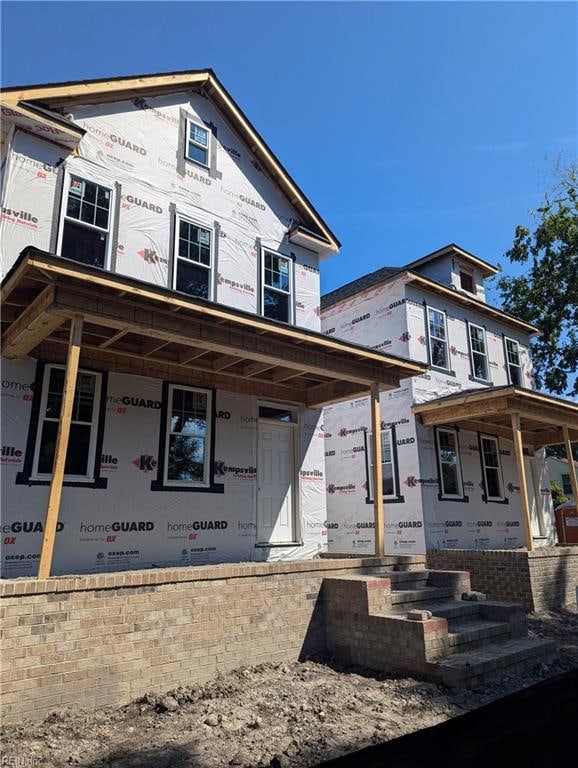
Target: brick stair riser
476	643
475	676
402	597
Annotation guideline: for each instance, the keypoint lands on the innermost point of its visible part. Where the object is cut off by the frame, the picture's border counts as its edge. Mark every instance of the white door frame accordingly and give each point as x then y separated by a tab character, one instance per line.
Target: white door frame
295	487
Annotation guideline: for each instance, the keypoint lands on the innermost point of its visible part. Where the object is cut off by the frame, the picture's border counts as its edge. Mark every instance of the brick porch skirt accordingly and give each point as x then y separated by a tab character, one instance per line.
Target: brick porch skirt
108	638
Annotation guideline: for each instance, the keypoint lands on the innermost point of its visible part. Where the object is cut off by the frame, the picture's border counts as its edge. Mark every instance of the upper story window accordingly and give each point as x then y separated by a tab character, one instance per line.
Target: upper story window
80	456
467	281
567	485
193	259
197	146
85	230
450	472
438	338
513	364
277	287
479	352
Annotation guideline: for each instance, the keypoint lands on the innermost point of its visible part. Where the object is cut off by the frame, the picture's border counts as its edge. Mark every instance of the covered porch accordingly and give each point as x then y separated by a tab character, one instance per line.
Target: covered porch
528	419
60	311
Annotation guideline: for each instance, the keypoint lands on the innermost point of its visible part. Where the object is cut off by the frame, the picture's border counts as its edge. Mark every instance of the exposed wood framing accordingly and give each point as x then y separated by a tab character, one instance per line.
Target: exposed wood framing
463	412
571	465
33	325
61	448
519	451
378	514
112	339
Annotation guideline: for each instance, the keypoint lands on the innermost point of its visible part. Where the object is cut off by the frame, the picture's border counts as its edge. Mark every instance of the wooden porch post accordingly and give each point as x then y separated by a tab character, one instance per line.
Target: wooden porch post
571	465
377	471
60	448
519	451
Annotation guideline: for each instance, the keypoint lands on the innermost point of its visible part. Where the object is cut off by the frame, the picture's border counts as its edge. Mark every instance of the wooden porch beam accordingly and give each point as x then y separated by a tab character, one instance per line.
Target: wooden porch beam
32	326
190	355
333	392
284	374
466	411
164	325
61	448
487	428
254	369
225	361
519	451
378	514
152	346
571	465
545	414
112	339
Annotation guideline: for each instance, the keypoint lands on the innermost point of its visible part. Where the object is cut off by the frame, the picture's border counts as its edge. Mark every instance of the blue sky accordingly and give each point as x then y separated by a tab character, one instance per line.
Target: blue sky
409	125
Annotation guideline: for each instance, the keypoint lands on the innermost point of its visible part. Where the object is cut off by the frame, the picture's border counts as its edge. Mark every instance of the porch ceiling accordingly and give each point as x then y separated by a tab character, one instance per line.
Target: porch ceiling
138	328
542	417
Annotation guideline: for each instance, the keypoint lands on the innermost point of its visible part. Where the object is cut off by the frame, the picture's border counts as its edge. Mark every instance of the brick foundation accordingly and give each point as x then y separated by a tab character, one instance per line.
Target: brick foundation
106	639
544	578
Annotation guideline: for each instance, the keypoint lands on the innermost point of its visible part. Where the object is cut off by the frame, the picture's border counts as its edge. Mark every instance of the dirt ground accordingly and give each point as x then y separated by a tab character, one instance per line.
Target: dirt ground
270	716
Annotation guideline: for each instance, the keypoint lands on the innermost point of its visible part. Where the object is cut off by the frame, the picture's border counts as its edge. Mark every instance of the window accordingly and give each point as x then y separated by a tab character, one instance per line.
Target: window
438	340
479	352
80	457
387	464
193	259
492	468
450	472
513	364
86	223
188	436
197	145
278	414
467	281
277	287
566	485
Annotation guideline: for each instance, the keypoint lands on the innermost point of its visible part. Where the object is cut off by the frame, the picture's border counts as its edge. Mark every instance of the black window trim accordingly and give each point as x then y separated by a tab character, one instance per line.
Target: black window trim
398	498
441	496
485	498
25	477
159	484
448	371
472	376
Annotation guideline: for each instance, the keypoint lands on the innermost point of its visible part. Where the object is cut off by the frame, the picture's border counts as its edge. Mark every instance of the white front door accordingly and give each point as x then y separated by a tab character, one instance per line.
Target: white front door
533	496
275	480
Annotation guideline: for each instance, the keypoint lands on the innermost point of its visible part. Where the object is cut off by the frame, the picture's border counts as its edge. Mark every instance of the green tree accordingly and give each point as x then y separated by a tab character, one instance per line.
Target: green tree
558	496
546	294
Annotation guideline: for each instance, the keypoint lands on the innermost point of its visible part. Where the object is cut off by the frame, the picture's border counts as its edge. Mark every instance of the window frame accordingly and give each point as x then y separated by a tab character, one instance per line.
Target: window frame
488	379
471	275
519	365
206	483
443	313
188	140
91	477
64	217
487	498
395	497
442	495
566	484
210	269
290	294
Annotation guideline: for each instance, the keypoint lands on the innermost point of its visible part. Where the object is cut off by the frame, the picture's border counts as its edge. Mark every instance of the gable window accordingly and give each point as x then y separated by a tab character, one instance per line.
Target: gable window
478	352
277	287
193	259
197	144
80	457
188	436
438	338
86	222
467	281
566	485
388	468
450	471
513	364
492	468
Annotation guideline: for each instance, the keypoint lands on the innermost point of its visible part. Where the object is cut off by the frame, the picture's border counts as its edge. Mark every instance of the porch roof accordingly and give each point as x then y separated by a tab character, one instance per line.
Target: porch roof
542	417
134	327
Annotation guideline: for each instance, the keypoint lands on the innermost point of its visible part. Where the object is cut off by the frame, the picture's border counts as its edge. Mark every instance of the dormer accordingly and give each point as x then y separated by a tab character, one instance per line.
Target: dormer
456	268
